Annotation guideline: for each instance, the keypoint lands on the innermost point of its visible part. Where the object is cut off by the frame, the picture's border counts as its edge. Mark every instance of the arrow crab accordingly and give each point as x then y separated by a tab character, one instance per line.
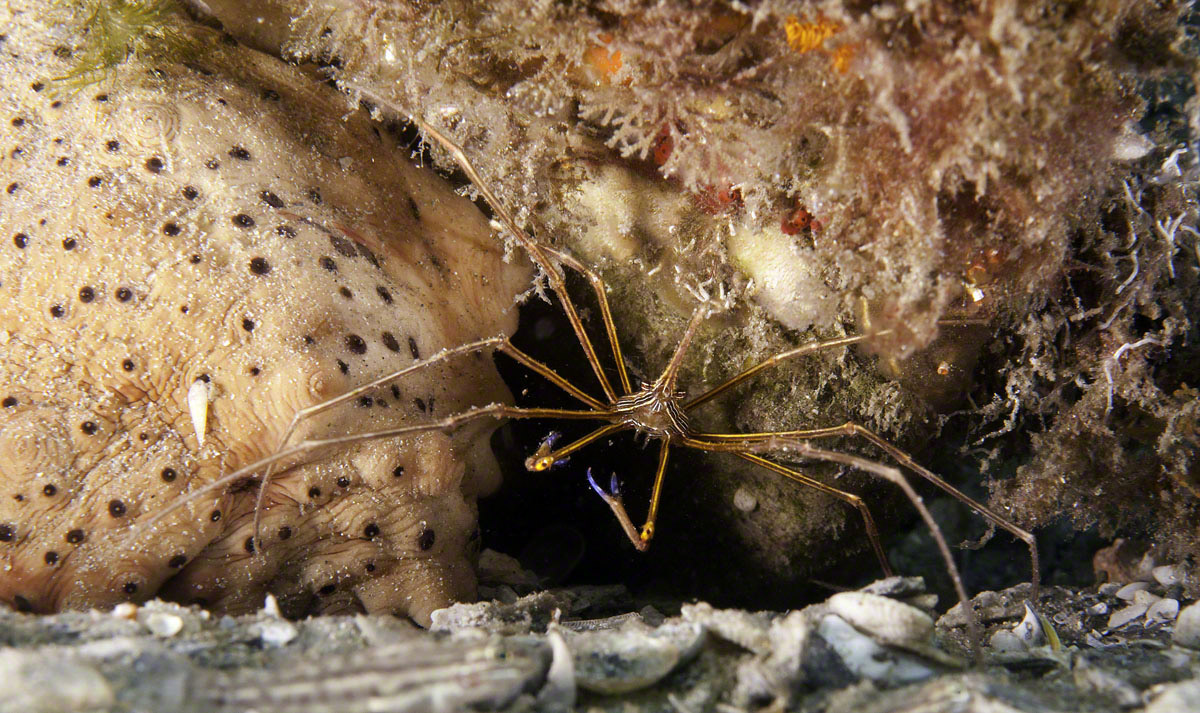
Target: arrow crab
658	410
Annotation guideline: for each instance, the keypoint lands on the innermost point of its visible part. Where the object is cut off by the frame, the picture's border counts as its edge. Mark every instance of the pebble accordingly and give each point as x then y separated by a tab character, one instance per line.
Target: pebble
1128	591
1131	613
162	624
1163	610
1187	627
1168	574
744	500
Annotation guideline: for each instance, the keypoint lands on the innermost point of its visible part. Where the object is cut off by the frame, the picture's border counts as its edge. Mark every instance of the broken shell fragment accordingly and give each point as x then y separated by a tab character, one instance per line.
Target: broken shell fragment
886	619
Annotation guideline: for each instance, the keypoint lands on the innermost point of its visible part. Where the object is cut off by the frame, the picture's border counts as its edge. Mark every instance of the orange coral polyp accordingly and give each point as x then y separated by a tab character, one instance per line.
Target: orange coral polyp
601	63
808	36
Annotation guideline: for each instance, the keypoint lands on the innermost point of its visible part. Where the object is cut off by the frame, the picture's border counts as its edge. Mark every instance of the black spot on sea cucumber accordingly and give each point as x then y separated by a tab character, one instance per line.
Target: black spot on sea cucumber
315	196
384	294
356	344
314	492
215	516
21	240
94	182
248	324
270	95
412	347
128	365
345	292
12	188
154	164
69	244
74	537
344	247
370	566
242	220
389	341
49	490
343	482
327	263
89	428
112	145
421	404
124	294
168	475
190	193
6	533
116	508
177	561
57	311
9	401
239	153
426	539
129	587
171	229
259	266
398	471
101	97
370	531
366	401
51	557
254	371
37	86
271	199
22	604
86	294
18	122
286	231
62	161
195	259
412	208
212	164
343	367
327	590
285	532
248	545
395	392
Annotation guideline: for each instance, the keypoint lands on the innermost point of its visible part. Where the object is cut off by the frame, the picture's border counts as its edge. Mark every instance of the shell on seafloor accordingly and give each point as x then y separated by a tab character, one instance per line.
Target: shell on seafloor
225	221
886	619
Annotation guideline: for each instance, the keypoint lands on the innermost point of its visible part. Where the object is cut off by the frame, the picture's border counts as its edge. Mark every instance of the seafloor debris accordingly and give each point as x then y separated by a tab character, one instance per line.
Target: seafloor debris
699	659
191	252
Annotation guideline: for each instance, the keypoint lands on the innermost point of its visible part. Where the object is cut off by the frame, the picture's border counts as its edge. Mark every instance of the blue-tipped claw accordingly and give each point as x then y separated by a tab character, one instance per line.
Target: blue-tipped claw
595	486
614	491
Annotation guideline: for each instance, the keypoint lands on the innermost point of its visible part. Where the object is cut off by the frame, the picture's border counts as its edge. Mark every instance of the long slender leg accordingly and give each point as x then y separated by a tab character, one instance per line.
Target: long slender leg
610	328
647	532
852	499
888	473
740	442
306	446
772	361
536	252
543	461
500	344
